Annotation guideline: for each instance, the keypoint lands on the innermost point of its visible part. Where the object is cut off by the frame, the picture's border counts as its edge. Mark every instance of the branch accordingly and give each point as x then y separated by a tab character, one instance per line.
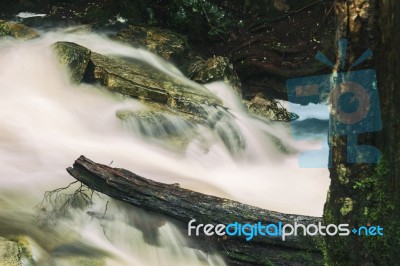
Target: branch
184	205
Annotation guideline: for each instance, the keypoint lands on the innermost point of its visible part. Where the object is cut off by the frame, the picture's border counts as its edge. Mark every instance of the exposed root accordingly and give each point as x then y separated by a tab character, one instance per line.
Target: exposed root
58	202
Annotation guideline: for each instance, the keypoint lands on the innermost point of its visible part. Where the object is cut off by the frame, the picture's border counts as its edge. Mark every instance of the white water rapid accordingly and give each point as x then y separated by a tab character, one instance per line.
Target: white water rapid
46	123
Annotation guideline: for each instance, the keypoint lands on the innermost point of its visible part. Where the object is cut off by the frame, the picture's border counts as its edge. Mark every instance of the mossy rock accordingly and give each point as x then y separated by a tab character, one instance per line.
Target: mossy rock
137	79
165	43
17	30
74	57
214	69
141	80
9	253
269	109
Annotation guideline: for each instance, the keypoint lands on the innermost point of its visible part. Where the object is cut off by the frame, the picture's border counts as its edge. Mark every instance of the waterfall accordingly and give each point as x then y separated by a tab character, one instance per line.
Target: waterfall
46	122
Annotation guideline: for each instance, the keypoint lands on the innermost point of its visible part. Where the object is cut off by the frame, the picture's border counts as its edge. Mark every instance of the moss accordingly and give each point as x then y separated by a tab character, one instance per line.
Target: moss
378	202
369	202
74	57
17	30
378	209
9	253
275	257
347	206
24	248
342	174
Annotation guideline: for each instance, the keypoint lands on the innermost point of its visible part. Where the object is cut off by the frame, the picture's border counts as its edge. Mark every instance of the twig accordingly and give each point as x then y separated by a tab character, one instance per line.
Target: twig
102	226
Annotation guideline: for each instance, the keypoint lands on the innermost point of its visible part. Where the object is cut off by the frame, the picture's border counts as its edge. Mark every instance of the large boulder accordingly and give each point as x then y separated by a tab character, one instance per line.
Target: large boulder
74	57
17	30
141	80
165	43
136	78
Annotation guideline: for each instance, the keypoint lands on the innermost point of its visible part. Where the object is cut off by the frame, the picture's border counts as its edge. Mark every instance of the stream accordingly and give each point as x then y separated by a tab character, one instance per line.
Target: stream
46	122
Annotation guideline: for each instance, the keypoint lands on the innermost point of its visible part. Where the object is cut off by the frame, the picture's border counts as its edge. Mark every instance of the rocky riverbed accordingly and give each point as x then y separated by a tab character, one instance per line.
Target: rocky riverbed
173	88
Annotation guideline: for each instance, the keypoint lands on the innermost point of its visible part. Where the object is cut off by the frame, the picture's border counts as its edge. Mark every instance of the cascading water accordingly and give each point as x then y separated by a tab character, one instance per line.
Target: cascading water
46	123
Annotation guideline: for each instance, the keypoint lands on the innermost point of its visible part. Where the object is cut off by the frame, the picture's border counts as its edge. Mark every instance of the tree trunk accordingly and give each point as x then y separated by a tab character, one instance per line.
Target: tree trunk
368	194
185	205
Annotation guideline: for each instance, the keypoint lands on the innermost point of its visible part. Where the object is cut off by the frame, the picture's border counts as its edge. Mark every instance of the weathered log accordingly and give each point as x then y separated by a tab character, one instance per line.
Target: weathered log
184	205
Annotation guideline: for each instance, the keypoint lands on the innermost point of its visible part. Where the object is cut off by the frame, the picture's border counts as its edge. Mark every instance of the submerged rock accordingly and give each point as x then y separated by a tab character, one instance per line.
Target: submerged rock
17	30
269	109
74	57
230	135
81	261
165	43
169	129
176	130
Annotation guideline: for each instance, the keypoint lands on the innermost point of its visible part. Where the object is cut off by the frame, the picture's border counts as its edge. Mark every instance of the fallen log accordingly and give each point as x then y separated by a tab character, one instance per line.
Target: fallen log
184	205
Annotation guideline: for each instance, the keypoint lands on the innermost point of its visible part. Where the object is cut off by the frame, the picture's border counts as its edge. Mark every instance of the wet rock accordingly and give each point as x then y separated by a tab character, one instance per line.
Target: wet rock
231	136
176	130
156	109
194	66
17	30
141	80
9	253
25	248
165	43
170	129
269	109
213	69
74	57
137	79
177	105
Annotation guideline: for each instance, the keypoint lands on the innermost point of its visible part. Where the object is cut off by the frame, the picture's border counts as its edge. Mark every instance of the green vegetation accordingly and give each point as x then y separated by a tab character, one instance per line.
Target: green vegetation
371	204
181	13
377	209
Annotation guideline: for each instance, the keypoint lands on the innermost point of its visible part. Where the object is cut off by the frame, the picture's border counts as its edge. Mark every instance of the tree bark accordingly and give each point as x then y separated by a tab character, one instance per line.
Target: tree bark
368	194
184	205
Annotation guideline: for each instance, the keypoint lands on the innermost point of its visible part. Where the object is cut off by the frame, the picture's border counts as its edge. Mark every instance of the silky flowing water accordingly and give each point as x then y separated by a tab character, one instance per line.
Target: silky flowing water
46	123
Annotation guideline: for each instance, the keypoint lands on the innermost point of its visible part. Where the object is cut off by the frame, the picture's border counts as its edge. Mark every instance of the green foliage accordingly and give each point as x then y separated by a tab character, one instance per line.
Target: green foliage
183	14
